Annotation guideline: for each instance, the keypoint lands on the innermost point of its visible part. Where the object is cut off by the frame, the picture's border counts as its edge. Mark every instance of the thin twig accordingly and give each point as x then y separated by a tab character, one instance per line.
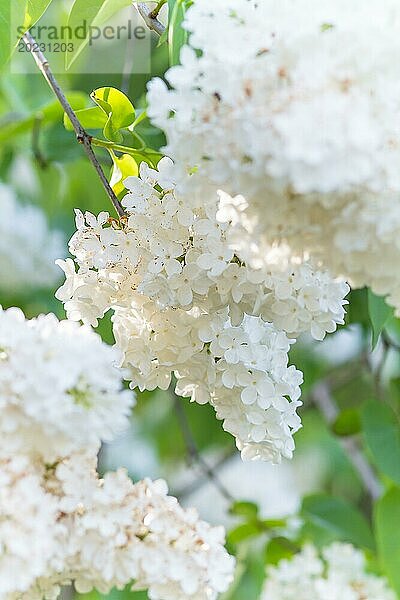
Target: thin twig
389	342
40	159
193	451
81	134
327	406
200	481
156	11
147	15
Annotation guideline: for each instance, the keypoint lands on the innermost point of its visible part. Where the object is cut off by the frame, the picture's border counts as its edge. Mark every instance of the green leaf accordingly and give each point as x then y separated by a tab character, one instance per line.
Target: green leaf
163	39
16	17
93	13
177	36
357	309
55	145
141	116
387	521
379	314
34	10
5	31
123	167
82	11
47	114
249	510
394	387
53	110
90	118
119	110
249	575
339	517
243	532
348	422
267	524
279	548
382	435
12	14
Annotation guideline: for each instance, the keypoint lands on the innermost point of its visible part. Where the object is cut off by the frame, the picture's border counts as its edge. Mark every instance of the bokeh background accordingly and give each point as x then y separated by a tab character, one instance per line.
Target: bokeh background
41	165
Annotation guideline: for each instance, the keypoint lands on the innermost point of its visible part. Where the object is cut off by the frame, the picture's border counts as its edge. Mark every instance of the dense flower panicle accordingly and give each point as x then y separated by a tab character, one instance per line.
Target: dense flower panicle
60	523
145	537
59	388
183	255
292	90
28	525
356	237
186	303
339	573
28	249
295	106
242	371
106	533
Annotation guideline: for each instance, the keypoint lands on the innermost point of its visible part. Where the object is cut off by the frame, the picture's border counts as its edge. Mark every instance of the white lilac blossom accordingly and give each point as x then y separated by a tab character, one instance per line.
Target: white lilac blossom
338	573
104	533
145	537
180	252
187	304
295	106
60	523
355	237
241	371
59	388
28	525
28	249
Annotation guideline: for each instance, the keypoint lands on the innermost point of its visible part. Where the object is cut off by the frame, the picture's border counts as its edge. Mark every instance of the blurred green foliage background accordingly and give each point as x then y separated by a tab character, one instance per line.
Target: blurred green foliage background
48	169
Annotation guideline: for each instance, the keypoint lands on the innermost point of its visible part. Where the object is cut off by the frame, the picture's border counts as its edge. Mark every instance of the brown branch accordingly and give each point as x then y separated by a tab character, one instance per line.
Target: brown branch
81	134
323	400
39	157
156	11
203	478
194	453
148	17
389	342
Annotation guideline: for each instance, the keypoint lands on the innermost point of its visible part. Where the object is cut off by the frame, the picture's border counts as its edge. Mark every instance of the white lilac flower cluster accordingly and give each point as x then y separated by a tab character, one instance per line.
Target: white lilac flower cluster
59	392
103	534
28	525
60	523
295	106
186	304
28	249
338	574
